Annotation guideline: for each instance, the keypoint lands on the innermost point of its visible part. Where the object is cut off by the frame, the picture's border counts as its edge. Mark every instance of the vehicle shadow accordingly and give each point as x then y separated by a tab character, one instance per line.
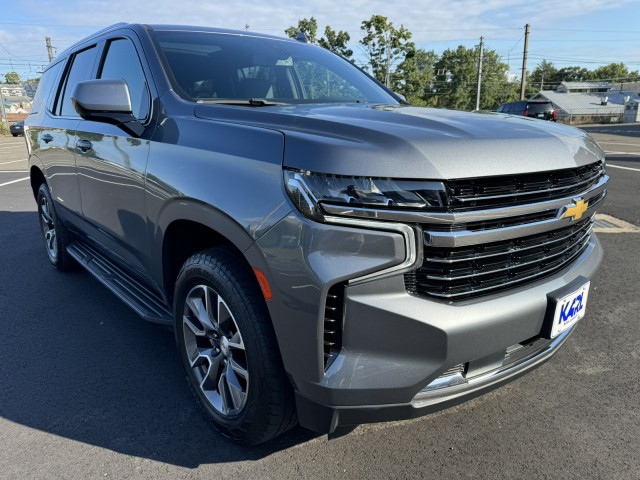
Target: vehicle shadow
76	362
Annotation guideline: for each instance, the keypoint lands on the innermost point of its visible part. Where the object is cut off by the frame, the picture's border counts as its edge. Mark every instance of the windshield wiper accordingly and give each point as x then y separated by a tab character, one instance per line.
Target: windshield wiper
251	102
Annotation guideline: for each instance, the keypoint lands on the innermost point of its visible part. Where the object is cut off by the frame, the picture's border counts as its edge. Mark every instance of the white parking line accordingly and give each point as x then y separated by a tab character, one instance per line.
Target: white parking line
623	168
621	153
617	143
12	161
13	171
14	181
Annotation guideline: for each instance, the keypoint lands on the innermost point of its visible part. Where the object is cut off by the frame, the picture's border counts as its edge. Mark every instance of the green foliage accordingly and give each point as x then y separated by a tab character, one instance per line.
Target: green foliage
417	73
389	50
456	80
12	77
448	80
574	74
333	41
615	72
307	26
544	76
336	42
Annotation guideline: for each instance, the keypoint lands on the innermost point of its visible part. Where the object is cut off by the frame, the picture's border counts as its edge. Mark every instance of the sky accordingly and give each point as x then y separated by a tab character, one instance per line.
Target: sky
588	33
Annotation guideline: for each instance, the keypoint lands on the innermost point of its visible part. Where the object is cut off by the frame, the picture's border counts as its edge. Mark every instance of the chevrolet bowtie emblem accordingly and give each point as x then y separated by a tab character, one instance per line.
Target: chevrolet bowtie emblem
576	211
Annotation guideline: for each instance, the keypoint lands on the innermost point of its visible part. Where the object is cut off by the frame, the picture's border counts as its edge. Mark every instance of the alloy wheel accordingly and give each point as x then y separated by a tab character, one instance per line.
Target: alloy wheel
215	350
48	228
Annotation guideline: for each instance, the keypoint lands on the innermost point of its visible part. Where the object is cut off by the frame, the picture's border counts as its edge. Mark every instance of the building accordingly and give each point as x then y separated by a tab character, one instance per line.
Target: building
588	102
17	103
9	89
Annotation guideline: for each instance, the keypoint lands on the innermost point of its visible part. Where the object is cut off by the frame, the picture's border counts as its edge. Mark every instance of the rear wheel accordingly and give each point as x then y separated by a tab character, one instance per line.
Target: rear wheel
53	232
228	348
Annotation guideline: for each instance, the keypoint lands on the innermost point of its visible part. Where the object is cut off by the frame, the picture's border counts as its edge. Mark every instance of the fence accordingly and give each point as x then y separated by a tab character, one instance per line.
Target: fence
596	115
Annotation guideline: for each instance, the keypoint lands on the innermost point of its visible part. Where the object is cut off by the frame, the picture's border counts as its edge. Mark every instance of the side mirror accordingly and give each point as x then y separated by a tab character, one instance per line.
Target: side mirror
108	101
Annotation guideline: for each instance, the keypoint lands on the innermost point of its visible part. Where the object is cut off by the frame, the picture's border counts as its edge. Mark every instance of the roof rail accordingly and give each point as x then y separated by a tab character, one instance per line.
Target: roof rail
106	29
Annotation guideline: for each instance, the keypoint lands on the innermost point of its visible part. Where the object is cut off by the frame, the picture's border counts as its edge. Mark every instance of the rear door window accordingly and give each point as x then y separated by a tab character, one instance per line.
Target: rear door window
44	88
81	69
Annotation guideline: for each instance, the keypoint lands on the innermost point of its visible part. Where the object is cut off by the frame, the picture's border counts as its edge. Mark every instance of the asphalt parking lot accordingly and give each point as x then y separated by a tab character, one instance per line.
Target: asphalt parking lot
91	391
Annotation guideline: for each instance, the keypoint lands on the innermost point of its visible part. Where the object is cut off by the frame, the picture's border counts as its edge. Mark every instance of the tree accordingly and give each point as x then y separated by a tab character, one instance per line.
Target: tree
614	72
574	74
307	26
12	77
418	73
388	49
545	73
333	41
456	81
336	42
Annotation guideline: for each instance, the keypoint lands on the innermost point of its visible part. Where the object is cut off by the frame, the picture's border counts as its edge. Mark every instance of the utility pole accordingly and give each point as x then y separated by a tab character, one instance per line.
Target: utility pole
523	81
479	73
49	48
3	111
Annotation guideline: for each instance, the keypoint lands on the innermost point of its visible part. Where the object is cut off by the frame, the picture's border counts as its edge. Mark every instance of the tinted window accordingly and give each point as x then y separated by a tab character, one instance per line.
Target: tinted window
122	62
212	66
81	69
539	107
44	87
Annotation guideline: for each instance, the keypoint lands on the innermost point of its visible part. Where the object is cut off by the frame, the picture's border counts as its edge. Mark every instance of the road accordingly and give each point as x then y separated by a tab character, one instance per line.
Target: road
90	391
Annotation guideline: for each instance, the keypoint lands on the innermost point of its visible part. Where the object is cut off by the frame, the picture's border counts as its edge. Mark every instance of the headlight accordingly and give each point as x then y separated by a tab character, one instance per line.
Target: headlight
308	190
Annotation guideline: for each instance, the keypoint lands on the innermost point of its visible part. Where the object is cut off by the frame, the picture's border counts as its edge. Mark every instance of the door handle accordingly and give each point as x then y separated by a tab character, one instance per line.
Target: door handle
46	138
84	145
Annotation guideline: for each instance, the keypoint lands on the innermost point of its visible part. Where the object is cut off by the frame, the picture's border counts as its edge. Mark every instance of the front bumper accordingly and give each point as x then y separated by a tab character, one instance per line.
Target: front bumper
395	346
326	418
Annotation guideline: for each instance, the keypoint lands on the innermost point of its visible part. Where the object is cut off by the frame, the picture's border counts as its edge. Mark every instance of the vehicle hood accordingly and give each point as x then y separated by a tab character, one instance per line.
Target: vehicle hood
413	142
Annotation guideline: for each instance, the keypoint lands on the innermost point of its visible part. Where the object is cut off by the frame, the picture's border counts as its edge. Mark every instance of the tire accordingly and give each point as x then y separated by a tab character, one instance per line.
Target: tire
53	232
14	134
228	348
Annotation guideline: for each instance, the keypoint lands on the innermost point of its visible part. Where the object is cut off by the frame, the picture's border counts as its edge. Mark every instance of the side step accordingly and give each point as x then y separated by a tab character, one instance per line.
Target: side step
144	301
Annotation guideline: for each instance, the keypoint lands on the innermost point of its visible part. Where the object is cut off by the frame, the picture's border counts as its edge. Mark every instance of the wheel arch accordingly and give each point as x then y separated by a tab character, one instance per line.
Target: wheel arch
188	226
37	178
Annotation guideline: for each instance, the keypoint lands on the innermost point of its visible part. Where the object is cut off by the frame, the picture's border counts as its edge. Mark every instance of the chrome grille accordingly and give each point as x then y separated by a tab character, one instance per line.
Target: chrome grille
458	273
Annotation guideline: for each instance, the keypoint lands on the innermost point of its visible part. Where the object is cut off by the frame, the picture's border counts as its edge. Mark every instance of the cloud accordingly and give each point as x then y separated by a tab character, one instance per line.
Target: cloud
460	21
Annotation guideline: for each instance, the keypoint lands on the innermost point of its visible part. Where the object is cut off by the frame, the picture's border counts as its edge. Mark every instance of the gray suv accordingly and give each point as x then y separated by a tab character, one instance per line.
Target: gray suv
326	254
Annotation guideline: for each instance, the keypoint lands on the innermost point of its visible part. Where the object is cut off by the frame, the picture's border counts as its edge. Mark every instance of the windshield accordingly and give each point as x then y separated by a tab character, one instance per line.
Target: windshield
216	67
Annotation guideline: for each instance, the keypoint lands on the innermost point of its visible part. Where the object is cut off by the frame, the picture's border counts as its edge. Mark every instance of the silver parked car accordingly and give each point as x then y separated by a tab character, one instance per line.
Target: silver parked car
327	254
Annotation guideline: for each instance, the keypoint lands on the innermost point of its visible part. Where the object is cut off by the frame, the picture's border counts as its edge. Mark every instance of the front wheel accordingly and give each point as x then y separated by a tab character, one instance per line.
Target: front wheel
228	348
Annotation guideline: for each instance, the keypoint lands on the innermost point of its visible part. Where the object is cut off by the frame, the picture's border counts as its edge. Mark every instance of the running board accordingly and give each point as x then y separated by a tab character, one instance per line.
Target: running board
144	301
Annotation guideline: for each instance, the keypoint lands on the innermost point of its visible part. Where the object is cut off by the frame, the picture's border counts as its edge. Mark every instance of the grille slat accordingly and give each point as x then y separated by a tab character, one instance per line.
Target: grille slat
475	255
504	191
509	263
546	255
332	333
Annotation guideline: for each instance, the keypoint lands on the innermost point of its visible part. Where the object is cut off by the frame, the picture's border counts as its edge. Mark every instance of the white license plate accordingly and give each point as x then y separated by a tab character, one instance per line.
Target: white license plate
541	115
569	310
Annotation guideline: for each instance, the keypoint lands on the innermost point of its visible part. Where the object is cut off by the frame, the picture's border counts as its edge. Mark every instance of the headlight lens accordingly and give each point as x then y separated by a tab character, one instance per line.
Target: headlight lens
308	190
